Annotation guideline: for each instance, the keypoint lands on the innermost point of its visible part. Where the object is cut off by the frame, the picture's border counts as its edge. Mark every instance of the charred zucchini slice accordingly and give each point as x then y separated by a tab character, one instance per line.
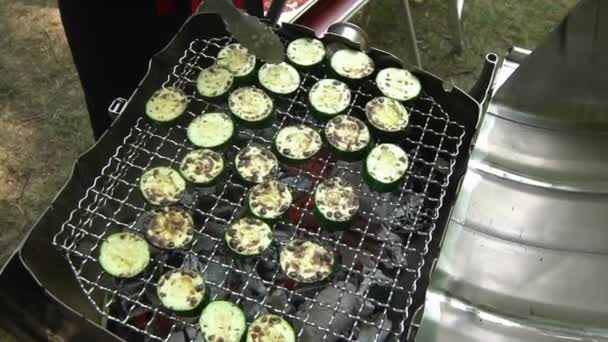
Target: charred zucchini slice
214	81
248	236
348	136
256	164
386	115
306	52
162	185
398	84
329	97
237	59
250	105
306	261
279	78
166	105
124	255
269	200
202	167
336	200
385	166
270	328
352	64
181	291
168	227
298	142
211	130
222	321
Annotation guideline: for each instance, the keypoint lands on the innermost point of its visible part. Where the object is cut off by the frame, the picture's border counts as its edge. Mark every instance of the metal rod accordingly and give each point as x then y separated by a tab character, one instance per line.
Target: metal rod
411	45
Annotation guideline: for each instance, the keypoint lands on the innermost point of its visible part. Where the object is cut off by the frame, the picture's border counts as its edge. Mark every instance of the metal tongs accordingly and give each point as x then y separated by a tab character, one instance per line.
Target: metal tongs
249	30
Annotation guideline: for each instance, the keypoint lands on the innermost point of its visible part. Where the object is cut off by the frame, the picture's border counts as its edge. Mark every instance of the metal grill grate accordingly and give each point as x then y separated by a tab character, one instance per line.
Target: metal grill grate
380	257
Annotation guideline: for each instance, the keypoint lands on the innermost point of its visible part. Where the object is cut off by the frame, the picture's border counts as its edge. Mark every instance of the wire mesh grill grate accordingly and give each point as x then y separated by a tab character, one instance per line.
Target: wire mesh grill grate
379	258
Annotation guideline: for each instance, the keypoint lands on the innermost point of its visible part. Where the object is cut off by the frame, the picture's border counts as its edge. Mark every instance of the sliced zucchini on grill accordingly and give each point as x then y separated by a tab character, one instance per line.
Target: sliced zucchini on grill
306	52
348	136
279	78
336	201
269	200
211	130
248	236
256	164
306	261
166	105
297	143
168	227
182	291
222	321
385	166
237	59
202	167
329	97
162	185
124	255
386	115
251	105
270	328
214	82
398	84
352	64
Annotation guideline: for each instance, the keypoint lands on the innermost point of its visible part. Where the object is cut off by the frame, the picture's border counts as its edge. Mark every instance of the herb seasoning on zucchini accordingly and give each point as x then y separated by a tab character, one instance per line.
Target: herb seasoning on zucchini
211	130
166	105
348	136
279	78
306	261
124	255
298	142
385	166
250	105
222	321
352	64
248	236
181	290
386	115
214	81
202	167
336	201
329	97
306	52
256	164
162	185
398	84
270	328
269	200
168	227
237	59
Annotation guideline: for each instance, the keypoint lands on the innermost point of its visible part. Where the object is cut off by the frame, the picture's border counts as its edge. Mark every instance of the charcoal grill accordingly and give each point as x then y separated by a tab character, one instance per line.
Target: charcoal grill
384	259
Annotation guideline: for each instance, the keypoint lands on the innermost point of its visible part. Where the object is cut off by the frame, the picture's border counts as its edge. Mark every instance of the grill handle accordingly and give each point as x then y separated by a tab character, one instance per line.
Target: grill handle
275	10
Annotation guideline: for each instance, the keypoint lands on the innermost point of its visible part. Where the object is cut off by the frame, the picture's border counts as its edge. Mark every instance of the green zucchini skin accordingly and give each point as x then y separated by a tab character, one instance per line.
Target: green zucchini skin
351	66
169	227
399	129
310	268
336	203
200	125
248	95
320	94
268	73
120	246
256	153
236	232
174	98
261	211
171	181
218	76
197	296
238	60
204	159
290	134
398	84
378	185
342	125
306	53
231	321
271	328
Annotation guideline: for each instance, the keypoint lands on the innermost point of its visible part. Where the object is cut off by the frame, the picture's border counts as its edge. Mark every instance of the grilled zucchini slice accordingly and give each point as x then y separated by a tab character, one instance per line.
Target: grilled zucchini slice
251	105
271	328
269	200
222	321
182	291
306	261
306	52
237	59
166	105
248	236
329	97
336	201
211	130
385	166
214	82
124	255
398	84
202	167
279	78
297	143
386	115
162	185
168	227
256	164
348	137
352	64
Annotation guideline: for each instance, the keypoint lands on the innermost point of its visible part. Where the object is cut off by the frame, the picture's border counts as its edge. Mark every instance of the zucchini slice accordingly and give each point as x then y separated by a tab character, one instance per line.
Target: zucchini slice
298	142
385	166
306	52
162	185
269	200
181	290
306	261
270	328
168	227
256	164
398	84
387	115
250	104
202	167
279	78
124	255
348	136
336	200
352	64
222	321
237	59
248	236
329	97
166	104
214	81
211	130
